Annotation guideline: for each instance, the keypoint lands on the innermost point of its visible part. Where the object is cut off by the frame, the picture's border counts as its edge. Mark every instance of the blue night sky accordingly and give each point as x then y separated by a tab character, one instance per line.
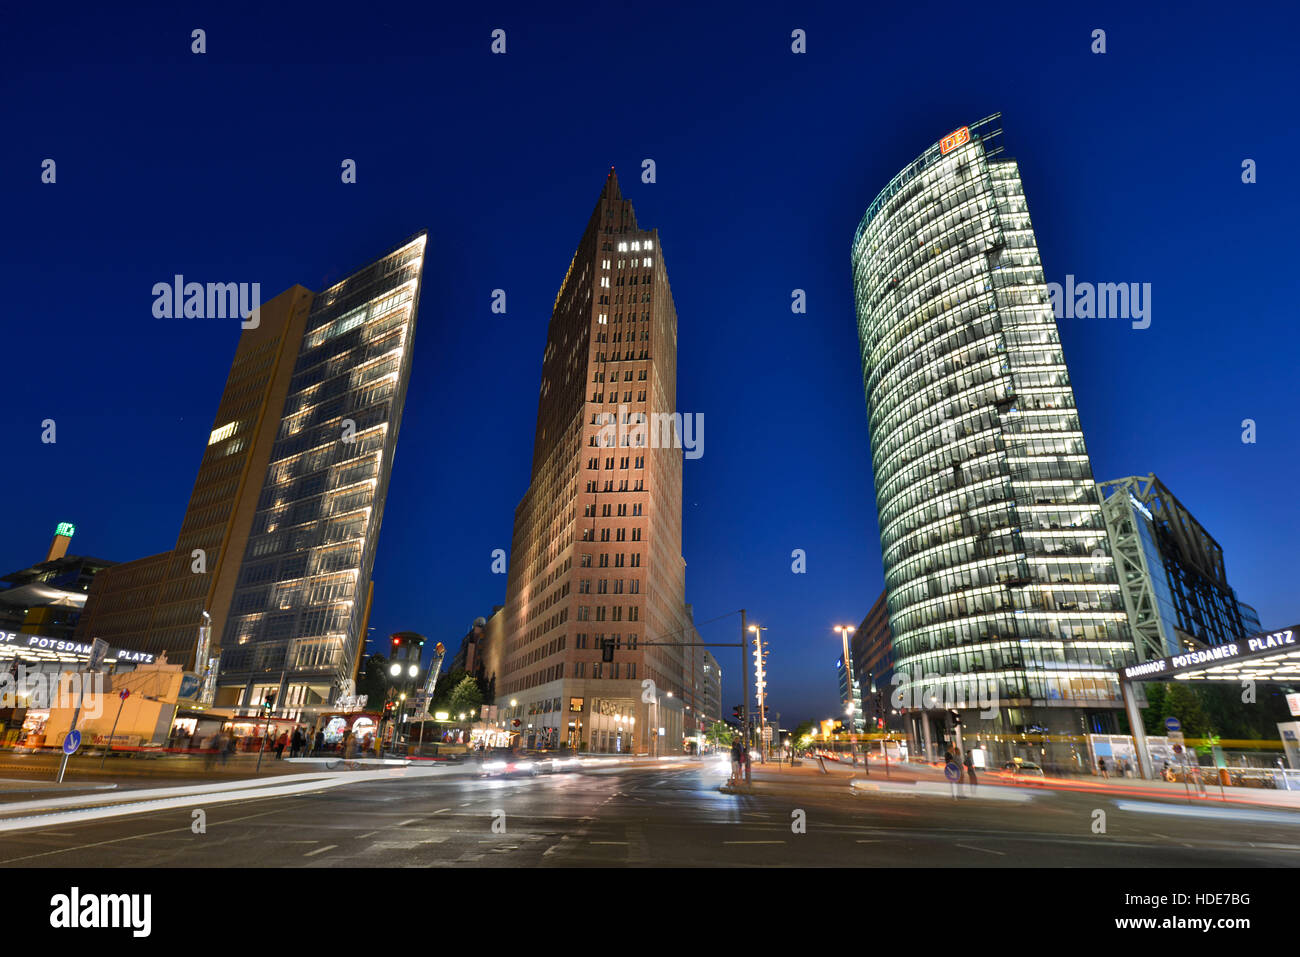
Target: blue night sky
225	167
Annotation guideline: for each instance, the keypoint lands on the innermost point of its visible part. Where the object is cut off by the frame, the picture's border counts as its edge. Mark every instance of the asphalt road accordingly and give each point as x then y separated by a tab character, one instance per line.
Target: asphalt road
671	814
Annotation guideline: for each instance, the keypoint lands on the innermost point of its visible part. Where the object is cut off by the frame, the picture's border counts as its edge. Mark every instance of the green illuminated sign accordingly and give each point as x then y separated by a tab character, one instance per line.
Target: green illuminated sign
65	528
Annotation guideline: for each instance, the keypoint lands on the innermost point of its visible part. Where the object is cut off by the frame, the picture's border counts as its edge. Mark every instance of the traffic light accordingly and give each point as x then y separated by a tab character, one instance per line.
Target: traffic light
268	703
736	713
607	649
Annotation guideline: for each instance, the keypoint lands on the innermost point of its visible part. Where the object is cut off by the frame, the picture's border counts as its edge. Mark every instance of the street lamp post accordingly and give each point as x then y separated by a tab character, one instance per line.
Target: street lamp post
760	685
845	631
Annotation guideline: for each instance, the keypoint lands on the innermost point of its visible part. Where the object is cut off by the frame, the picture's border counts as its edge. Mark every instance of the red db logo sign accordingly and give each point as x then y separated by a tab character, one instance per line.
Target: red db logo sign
954	139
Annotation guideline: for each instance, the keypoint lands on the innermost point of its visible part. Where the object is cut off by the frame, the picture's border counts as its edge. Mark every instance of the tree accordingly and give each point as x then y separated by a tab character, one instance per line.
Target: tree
1184	703
465	697
720	734
806	728
447	685
373	681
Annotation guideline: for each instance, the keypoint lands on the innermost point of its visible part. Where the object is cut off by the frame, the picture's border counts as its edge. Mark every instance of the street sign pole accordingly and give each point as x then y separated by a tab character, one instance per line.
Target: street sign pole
121	700
98	650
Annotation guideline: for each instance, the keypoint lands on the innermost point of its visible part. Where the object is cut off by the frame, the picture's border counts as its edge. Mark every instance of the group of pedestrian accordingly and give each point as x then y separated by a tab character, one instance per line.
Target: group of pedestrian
220	747
1122	767
956	759
739	762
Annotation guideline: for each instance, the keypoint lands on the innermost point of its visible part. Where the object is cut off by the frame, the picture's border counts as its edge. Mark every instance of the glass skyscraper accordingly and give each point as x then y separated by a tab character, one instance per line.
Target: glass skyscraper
997	563
297	617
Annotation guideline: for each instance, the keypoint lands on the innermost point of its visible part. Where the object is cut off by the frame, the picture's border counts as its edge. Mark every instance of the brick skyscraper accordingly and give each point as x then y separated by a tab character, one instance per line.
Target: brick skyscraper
597	548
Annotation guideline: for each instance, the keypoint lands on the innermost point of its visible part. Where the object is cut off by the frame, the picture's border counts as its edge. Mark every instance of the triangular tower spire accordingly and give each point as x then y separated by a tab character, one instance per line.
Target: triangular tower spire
611	190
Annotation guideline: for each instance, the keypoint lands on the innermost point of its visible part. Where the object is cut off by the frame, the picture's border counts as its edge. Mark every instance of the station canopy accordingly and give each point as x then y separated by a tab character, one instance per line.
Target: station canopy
1268	656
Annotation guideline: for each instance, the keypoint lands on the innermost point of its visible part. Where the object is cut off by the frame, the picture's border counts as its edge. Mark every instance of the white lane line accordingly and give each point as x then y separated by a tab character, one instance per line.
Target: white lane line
441	809
984	849
320	850
404	823
620	843
367	834
142	807
1212	811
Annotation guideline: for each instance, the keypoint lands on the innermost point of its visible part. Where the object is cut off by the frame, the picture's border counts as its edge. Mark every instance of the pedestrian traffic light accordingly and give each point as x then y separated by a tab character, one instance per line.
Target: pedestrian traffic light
607	649
268	703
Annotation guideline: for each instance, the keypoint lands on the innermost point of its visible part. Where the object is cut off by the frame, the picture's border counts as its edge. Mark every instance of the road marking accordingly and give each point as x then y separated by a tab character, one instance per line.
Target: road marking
367	834
984	849
131	837
441	809
320	850
622	843
753	842
866	842
404	823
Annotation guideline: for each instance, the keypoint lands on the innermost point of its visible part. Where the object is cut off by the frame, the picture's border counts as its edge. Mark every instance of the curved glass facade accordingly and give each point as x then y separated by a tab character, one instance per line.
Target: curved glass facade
997	563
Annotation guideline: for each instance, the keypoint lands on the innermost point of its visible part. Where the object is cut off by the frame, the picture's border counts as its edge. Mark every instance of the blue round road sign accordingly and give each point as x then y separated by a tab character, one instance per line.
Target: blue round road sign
71	742
1173	724
952	772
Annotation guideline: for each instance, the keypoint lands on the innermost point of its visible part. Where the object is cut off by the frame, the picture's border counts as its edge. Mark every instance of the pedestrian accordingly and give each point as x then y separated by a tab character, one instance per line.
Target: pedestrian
280	744
320	741
970	770
231	742
1101	766
736	759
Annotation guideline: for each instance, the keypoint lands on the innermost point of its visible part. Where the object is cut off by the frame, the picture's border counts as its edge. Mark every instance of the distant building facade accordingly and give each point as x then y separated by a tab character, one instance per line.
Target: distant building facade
1172	574
48	598
872	650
